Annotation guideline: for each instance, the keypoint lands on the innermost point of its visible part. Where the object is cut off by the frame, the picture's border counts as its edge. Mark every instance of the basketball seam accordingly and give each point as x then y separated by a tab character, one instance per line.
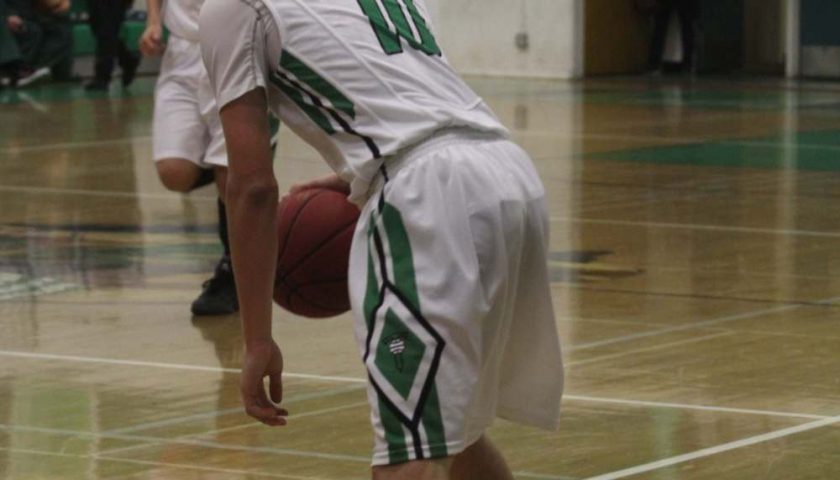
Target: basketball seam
294	220
314	251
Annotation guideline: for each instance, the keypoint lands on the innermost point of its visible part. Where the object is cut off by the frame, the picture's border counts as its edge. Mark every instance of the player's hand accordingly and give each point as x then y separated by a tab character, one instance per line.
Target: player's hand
331	182
63	6
151	42
263	359
15	23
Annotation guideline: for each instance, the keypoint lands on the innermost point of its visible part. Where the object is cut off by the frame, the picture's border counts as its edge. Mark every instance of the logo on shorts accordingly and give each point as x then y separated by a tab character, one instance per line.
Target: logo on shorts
396	345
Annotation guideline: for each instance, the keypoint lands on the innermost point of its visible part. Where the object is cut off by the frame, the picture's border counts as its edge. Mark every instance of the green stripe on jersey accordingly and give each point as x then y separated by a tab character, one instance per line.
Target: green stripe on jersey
311	111
317	83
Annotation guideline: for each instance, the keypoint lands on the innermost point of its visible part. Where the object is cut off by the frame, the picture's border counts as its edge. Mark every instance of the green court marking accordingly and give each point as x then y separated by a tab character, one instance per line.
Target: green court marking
816	151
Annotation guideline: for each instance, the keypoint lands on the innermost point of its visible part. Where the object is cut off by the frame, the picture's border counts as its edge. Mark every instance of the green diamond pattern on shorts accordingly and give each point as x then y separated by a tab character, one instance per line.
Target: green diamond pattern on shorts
403	349
399	354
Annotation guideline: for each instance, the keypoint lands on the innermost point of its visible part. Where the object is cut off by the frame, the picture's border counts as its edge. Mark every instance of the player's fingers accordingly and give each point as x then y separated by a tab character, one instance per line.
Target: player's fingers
275	387
264	414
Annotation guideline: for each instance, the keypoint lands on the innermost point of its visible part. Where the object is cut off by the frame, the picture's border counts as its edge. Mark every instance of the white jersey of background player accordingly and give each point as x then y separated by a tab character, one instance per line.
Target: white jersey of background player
448	277
187	140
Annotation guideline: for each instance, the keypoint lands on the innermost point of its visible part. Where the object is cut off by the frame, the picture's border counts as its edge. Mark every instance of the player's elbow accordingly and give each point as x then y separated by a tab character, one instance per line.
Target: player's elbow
252	190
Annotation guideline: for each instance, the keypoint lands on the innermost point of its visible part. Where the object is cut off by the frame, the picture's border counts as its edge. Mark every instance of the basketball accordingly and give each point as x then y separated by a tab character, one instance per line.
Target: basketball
315	230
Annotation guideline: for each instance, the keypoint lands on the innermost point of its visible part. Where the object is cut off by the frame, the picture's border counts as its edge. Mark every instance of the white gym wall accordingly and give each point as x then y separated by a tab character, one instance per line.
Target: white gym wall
480	36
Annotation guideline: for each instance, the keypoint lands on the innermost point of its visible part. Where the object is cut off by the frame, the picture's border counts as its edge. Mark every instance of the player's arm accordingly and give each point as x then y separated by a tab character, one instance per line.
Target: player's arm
233	52
251	202
151	42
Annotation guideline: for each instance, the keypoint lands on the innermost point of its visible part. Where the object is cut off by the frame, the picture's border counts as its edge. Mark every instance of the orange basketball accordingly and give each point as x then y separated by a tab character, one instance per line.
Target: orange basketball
315	230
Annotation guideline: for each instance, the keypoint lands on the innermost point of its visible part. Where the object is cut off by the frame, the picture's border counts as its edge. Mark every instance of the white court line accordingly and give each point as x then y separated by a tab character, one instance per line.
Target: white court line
680	141
690	326
292	418
291	400
680	226
184	466
706	452
188	442
660	346
683	406
171	366
68	145
159	464
103	193
39	356
691	226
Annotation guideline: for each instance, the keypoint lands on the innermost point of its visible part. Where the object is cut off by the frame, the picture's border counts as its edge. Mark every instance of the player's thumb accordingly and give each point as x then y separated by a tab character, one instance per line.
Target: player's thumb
275	388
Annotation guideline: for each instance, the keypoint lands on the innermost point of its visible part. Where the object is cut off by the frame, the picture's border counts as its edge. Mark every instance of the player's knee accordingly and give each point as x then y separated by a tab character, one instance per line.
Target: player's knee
178	175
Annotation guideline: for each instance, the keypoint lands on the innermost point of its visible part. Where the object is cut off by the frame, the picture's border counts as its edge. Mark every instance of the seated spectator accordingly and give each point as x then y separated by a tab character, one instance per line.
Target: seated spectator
43	39
10	56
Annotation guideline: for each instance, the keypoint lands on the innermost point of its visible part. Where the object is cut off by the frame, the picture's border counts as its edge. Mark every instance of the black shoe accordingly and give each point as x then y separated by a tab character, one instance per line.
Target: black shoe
219	295
97	85
129	70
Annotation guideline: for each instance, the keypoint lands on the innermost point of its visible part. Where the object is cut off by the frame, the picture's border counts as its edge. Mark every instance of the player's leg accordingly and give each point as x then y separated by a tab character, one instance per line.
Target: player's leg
415	470
182	175
218	296
480	460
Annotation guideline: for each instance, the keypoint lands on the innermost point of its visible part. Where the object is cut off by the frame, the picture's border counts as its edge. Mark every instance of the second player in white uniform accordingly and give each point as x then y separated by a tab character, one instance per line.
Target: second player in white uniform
187	140
448	275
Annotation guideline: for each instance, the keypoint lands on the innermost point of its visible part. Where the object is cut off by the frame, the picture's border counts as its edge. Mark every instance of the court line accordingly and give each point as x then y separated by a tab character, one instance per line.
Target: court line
67	145
328	378
702	408
103	193
681	141
159	464
647	349
188	442
706	452
702	227
683	226
219	413
222	446
536	476
695	325
292	418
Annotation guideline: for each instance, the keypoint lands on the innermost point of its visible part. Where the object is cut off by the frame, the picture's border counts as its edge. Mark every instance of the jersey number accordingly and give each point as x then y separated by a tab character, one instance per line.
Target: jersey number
391	40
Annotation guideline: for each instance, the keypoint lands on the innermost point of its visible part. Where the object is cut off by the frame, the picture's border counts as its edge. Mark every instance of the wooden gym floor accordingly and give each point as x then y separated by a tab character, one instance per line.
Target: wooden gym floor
696	267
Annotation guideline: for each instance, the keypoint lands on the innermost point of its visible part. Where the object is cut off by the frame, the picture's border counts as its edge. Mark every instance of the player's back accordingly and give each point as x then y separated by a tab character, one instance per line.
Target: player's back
376	66
359	80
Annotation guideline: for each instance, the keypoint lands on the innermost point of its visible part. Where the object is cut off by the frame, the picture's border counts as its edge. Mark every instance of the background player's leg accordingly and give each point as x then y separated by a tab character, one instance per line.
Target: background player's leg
219	292
480	460
415	470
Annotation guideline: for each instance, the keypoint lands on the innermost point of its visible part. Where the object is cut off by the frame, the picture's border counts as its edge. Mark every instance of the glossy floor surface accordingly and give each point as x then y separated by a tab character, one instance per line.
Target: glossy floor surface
695	258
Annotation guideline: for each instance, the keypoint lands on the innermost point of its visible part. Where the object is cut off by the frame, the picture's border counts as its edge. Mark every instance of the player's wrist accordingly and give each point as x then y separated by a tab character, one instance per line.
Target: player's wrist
259	344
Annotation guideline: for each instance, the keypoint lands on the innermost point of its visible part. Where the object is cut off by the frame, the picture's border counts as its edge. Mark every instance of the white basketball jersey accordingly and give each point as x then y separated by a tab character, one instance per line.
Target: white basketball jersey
181	17
362	79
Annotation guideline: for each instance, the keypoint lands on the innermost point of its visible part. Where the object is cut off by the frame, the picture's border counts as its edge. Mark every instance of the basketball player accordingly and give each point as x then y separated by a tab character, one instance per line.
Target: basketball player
188	143
448	279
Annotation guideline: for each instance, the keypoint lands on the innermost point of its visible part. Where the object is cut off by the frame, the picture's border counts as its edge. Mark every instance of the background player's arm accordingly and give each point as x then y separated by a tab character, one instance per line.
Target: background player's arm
151	42
252	207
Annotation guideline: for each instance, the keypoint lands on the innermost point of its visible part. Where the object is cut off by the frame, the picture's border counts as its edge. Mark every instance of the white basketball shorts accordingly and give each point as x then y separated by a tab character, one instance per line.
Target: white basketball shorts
451	300
186	121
